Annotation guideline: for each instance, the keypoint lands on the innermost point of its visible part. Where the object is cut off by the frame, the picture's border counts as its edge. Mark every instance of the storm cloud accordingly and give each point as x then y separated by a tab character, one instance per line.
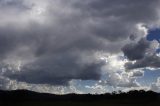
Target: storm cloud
56	41
147	62
136	51
142	54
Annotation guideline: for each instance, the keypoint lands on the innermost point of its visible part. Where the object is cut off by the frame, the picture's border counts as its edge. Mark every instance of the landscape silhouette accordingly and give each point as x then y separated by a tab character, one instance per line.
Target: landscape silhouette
31	98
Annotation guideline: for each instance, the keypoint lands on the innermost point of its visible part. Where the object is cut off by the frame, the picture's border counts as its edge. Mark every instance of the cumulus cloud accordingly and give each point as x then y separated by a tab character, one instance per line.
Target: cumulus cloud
116	75
136	51
54	42
156	86
3	83
142	54
58	70
149	61
138	73
123	80
97	89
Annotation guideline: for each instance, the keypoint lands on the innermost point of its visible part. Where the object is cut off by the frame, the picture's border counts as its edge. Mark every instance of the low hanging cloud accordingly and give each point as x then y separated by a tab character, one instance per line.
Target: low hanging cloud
156	85
123	80
142	54
136	51
150	61
58	70
55	41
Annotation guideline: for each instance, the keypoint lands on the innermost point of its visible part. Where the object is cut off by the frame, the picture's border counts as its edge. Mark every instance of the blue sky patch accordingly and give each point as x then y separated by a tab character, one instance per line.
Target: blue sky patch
154	34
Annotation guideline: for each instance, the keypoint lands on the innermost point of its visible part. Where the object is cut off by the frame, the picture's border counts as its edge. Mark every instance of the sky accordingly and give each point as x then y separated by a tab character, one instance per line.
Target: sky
80	46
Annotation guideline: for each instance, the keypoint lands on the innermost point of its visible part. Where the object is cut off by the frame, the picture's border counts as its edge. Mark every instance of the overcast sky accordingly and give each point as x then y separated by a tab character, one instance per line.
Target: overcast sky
80	46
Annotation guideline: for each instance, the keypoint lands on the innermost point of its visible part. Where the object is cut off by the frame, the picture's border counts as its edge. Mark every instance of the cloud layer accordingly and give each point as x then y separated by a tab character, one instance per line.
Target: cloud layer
54	42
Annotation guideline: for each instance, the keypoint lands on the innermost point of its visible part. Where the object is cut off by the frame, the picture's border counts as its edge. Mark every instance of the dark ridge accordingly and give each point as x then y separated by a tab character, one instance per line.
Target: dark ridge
20	97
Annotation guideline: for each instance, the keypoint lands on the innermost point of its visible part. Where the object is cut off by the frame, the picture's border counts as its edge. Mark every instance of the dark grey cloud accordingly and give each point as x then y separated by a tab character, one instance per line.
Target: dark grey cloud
12	4
58	69
148	61
132	37
55	41
136	50
114	20
141	54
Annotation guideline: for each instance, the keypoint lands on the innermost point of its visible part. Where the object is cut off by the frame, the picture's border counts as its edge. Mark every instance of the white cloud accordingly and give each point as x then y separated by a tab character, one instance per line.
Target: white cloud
156	86
115	72
97	89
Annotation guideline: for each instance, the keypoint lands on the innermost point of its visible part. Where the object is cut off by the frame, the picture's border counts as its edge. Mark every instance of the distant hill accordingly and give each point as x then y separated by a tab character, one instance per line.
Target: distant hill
30	98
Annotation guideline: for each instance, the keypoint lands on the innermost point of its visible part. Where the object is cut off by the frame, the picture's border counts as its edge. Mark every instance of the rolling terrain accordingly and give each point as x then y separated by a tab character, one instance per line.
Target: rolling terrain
30	98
